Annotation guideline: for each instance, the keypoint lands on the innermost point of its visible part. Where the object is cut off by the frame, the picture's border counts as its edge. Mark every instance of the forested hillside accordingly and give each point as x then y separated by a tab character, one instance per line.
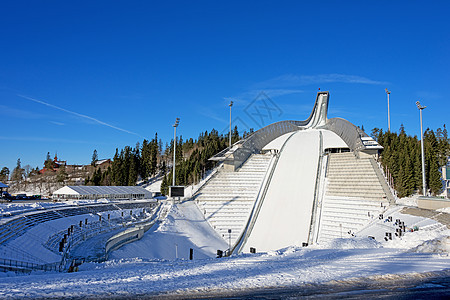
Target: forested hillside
402	156
131	165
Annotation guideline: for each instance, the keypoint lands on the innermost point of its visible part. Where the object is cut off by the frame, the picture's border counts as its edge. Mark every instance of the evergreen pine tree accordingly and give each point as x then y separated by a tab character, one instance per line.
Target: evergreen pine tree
94	158
4	174
164	186
18	173
133	171
154	155
116	168
48	163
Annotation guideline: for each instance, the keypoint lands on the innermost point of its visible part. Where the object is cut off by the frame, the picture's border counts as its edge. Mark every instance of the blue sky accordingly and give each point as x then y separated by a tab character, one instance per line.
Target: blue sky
83	75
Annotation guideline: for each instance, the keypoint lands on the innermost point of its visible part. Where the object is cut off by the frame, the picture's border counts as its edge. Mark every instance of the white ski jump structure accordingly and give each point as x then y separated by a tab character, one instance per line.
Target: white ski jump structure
296	183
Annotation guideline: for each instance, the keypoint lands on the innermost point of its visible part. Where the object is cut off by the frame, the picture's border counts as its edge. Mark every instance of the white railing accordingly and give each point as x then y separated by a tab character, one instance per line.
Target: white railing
388	178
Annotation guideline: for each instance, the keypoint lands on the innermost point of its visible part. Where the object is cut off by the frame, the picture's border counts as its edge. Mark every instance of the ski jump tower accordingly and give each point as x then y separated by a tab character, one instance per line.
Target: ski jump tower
294	183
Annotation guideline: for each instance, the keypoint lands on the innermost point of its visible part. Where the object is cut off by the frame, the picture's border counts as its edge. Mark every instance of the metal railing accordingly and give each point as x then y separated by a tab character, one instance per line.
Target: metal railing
314	218
208	178
16	265
387	177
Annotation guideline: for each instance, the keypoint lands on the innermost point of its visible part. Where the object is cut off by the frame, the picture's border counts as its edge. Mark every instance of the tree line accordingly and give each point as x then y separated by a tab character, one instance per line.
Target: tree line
149	159
402	156
192	168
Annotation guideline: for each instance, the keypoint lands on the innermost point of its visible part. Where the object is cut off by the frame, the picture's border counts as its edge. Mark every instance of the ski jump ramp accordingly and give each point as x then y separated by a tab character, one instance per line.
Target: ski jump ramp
285	215
287	209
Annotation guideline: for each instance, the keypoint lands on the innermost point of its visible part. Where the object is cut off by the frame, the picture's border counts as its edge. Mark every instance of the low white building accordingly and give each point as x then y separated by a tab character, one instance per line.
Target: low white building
80	192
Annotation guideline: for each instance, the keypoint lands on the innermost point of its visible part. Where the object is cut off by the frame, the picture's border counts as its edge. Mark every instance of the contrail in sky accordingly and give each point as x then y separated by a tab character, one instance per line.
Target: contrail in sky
78	115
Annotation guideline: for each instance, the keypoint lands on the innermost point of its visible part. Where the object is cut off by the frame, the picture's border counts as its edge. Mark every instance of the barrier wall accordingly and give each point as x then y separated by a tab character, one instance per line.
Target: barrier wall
432	203
127	236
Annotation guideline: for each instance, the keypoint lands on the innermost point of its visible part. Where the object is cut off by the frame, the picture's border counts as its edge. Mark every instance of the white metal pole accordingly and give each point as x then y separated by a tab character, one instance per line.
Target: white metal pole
389	113
231	104
424	184
174	151
230	128
423	154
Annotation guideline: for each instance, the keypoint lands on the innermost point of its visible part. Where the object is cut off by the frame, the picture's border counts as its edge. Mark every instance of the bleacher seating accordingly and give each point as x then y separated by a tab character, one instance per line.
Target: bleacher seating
227	199
19	225
354	196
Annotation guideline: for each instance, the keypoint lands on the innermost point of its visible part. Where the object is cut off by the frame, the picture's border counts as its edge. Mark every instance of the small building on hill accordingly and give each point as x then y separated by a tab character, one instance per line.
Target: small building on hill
103	164
56	164
81	192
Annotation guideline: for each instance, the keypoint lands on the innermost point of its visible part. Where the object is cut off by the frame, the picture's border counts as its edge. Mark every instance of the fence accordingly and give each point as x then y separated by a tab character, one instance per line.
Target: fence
15	265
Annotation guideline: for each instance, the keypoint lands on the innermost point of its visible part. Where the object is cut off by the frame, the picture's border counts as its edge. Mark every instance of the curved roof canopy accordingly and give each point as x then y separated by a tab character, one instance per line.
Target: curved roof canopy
101	190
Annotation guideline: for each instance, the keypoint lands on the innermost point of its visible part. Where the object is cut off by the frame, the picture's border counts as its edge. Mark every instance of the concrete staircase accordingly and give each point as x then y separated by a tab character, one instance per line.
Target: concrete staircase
354	196
228	198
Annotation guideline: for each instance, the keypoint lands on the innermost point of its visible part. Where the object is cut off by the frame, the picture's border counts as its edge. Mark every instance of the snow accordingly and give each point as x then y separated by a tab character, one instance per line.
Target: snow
437	245
155	186
184	228
408	201
445	209
284	268
278	142
332	140
149	267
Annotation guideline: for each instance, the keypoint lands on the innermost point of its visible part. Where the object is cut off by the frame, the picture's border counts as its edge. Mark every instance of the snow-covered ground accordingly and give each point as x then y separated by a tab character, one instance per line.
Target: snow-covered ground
149	267
184	228
285	268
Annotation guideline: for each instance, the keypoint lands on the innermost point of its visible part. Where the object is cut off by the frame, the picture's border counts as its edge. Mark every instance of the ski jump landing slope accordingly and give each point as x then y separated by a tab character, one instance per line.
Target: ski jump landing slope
285	215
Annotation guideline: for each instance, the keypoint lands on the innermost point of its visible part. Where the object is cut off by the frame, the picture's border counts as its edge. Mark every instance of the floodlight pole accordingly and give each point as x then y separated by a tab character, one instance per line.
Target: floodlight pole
389	114
230	105
420	107
177	121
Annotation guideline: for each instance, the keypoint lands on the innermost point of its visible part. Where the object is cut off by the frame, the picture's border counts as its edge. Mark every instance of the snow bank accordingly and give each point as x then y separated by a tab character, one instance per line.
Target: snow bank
445	209
414	239
350	243
438	245
408	201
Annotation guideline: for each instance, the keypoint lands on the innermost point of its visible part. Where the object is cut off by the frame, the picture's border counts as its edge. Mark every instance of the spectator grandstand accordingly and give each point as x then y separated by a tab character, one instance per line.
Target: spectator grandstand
30	240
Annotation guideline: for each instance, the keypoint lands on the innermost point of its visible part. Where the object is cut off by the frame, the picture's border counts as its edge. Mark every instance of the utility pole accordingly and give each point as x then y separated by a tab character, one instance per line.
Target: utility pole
389	114
177	121
420	107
